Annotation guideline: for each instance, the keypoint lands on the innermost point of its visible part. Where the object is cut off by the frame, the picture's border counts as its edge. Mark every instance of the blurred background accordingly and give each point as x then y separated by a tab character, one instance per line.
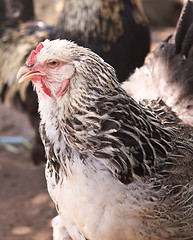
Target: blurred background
26	209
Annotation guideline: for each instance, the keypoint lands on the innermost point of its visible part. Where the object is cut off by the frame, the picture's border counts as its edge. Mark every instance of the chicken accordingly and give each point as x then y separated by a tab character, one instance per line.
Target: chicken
113	29
12	56
167	72
115	169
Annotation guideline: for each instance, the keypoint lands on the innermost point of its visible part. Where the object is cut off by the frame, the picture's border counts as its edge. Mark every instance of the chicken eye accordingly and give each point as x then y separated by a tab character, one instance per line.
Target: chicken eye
53	63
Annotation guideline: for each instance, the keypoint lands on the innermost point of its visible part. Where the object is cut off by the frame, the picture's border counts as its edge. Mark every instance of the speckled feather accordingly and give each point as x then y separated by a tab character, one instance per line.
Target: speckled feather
116	169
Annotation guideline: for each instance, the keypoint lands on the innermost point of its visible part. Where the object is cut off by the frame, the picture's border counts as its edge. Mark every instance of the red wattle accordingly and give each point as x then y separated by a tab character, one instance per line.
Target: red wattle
46	90
63	87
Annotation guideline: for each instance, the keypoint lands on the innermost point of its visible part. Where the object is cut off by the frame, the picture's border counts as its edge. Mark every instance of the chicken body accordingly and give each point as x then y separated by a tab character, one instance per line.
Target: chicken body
94	205
115	169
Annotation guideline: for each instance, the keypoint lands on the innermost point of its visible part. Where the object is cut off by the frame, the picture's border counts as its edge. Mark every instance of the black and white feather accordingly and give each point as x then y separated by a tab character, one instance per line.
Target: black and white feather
115	169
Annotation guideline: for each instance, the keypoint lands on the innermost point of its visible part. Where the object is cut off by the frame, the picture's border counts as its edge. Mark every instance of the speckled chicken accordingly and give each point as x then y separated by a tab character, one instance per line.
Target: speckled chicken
167	72
113	29
116	169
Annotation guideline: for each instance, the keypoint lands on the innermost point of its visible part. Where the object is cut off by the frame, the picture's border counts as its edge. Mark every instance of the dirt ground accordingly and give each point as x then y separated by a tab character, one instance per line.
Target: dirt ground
26	209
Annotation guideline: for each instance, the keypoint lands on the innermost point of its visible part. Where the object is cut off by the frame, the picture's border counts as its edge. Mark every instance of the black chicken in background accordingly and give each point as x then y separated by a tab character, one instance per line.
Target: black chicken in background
168	72
116	30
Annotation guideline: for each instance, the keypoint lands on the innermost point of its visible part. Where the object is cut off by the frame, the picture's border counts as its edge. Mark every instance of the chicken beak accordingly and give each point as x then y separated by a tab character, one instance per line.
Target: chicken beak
25	73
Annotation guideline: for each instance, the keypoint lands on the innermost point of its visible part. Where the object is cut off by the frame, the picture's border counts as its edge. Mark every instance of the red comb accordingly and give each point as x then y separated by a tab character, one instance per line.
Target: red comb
32	58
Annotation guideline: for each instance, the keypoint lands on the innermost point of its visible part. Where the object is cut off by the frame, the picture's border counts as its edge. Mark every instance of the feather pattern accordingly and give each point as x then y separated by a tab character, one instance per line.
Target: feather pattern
116	169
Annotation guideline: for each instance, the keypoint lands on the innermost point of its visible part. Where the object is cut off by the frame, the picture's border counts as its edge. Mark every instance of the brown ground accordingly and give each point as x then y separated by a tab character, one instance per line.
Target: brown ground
26	209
